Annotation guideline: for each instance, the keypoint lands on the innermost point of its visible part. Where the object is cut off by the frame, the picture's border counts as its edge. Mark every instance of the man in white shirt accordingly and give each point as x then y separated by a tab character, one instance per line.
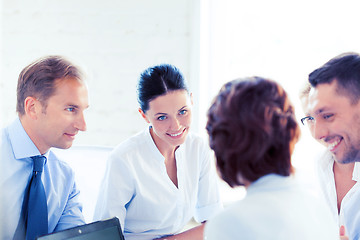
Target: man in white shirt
333	116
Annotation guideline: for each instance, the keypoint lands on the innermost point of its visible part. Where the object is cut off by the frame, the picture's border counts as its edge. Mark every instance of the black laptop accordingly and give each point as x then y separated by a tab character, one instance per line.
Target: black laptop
105	230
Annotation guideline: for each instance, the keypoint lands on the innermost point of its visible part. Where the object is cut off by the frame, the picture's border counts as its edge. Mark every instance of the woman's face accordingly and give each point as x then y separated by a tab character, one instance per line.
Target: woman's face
170	118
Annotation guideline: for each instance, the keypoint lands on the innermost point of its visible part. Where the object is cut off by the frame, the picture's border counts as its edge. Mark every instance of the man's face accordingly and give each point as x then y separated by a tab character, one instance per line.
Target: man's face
58	123
337	122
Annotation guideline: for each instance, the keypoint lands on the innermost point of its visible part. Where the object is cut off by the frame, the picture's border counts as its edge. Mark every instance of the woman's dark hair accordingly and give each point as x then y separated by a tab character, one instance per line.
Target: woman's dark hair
252	130
158	80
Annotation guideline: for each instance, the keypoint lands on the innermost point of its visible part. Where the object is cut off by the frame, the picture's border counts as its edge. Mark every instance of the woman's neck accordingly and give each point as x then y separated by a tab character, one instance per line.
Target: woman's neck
167	150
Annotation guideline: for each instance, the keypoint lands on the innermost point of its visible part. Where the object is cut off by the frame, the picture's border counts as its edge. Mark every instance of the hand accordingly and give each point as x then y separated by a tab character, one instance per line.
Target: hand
342	233
196	233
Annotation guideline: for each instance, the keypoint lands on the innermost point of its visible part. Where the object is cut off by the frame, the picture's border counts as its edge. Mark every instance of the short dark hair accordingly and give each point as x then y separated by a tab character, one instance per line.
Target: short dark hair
38	79
252	129
345	70
158	80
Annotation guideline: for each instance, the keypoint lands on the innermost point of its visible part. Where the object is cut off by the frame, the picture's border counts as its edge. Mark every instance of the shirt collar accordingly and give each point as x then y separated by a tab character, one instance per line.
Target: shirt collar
153	148
356	172
22	145
328	163
151	142
270	181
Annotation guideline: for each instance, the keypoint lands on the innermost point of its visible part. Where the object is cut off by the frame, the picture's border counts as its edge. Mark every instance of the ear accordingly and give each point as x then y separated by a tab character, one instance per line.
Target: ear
143	115
32	107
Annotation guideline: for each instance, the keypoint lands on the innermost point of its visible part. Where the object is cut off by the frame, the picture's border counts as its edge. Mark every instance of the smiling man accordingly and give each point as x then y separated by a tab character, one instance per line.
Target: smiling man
333	117
51	99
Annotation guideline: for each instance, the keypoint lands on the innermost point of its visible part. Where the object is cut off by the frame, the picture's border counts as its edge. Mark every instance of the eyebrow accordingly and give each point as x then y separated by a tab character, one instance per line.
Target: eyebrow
71	105
321	110
75	106
160	113
182	108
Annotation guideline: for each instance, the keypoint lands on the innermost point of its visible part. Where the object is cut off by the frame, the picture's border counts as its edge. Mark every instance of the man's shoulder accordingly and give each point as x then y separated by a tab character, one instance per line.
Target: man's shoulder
4	137
56	163
4	134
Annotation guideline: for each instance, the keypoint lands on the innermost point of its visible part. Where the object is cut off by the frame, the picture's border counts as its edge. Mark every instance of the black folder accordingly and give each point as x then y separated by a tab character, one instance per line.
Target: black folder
109	229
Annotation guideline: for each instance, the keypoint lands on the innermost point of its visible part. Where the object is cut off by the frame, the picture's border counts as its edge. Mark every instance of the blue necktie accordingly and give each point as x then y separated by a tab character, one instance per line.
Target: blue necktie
36	216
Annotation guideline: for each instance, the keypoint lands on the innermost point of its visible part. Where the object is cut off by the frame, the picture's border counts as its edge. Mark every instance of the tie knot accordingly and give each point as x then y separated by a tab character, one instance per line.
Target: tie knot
38	163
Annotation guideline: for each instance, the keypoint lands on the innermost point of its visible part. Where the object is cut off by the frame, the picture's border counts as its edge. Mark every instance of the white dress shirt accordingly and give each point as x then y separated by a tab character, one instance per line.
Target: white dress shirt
349	209
275	208
137	189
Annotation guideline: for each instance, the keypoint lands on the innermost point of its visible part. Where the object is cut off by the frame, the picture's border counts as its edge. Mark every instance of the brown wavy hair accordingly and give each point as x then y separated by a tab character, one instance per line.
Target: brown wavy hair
252	129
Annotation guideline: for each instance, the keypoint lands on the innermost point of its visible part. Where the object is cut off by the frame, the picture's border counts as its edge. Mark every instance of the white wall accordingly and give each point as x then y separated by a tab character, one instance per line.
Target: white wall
282	40
1	79
113	40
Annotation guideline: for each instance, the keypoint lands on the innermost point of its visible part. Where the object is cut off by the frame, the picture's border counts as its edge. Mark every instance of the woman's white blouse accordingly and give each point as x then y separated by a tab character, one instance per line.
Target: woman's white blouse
275	208
137	189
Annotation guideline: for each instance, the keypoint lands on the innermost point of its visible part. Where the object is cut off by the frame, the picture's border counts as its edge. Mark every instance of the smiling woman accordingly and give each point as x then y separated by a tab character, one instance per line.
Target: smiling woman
161	178
170	118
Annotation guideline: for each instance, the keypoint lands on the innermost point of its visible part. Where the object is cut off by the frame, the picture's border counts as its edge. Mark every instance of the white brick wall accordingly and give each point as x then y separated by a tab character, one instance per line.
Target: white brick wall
1	80
114	40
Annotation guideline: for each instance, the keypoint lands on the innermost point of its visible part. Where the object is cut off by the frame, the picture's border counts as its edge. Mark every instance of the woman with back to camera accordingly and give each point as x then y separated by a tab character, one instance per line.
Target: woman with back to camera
157	180
253	132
